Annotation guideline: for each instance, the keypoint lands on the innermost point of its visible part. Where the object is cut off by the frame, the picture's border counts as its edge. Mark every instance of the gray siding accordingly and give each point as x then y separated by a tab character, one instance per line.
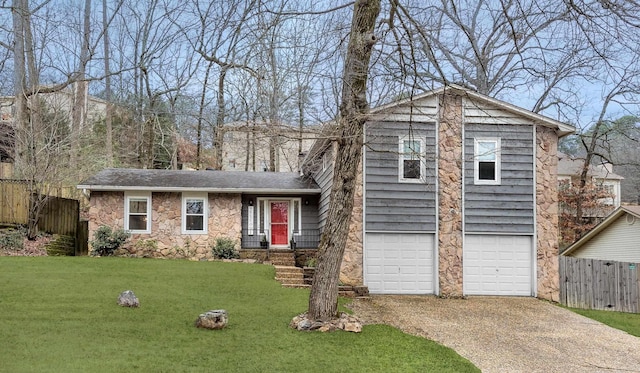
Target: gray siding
324	179
508	207
391	205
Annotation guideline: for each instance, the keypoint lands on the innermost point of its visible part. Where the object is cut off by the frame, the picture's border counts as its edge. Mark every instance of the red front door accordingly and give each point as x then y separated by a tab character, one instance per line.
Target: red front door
279	223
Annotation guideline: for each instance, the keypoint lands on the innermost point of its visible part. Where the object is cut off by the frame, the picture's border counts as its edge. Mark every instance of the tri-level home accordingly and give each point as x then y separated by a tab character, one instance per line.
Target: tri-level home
457	196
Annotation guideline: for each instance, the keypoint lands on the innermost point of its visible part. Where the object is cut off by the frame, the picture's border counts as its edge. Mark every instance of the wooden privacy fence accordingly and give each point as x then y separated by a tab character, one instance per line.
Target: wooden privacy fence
599	284
59	215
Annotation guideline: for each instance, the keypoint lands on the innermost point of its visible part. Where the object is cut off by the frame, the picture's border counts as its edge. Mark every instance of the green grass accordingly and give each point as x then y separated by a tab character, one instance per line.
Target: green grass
59	314
628	322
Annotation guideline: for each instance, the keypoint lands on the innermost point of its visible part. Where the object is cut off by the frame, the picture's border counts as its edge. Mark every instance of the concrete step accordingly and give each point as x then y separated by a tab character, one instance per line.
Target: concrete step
297	286
296	281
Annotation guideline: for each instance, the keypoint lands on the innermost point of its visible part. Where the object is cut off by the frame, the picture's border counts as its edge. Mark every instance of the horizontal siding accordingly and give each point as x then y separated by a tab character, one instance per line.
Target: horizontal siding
391	205
617	242
508	207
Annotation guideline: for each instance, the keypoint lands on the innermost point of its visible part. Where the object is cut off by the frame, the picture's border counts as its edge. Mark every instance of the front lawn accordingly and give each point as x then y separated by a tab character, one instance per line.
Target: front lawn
59	314
628	322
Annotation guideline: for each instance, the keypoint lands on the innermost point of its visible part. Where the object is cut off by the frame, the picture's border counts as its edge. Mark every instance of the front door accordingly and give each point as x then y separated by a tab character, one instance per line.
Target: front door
279	223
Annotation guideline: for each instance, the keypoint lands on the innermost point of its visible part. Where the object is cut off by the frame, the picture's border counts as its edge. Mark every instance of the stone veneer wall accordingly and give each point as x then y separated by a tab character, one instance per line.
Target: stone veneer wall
107	208
547	213
351	271
450	147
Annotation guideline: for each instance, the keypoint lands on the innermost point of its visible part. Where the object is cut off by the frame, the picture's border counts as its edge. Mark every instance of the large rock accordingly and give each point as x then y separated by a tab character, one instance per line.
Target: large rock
128	299
214	319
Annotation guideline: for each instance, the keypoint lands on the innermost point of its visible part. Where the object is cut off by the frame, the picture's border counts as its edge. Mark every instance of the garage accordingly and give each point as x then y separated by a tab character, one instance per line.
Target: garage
399	263
498	265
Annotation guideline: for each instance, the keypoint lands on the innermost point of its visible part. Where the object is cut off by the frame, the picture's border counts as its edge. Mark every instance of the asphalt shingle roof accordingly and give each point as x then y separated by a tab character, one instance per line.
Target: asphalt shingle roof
211	181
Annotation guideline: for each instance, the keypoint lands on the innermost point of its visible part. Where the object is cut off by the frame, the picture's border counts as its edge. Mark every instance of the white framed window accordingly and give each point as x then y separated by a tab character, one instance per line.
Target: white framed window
195	213
486	161
411	162
137	212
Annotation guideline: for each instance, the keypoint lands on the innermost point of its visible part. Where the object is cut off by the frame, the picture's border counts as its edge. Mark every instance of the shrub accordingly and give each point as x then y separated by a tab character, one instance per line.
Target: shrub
148	247
12	239
225	248
106	242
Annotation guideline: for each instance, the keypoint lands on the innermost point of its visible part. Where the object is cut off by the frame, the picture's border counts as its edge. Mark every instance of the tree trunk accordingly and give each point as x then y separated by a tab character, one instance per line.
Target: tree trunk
108	119
323	301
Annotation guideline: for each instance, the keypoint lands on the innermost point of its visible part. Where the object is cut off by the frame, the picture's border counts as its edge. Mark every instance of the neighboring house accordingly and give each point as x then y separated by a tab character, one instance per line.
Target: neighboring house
616	238
60	103
188	210
569	170
458	197
247	146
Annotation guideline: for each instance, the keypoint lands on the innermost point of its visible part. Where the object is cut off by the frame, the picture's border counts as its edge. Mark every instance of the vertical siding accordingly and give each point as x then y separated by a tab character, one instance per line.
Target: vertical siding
324	179
391	205
508	207
619	242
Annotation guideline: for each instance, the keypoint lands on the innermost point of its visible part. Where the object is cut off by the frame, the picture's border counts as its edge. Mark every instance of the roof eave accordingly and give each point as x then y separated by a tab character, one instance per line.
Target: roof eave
122	188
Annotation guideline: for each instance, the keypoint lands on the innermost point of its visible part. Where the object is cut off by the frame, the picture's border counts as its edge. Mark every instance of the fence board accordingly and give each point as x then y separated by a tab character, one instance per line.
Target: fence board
599	284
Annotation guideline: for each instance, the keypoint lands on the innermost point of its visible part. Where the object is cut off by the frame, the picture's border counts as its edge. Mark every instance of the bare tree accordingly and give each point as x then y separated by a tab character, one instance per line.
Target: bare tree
323	301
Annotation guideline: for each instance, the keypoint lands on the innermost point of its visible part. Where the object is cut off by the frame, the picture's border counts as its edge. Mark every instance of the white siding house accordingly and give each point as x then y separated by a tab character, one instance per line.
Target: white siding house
616	238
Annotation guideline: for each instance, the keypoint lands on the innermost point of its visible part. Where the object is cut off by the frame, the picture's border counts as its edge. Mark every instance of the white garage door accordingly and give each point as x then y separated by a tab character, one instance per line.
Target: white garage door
498	265
399	263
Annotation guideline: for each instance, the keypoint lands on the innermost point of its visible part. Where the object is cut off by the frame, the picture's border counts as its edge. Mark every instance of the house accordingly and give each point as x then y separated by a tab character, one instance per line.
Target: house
602	175
183	212
247	146
458	196
615	238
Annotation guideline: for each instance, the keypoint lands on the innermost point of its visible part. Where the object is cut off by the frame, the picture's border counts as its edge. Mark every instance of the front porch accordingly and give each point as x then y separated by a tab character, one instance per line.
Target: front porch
266	240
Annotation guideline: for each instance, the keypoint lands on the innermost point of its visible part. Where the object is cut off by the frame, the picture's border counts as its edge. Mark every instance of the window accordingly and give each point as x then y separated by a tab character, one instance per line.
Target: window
194	213
411	161
137	212
486	170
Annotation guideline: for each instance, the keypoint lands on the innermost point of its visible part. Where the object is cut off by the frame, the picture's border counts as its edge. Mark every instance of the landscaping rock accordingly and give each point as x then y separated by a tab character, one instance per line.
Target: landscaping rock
345	322
128	299
214	319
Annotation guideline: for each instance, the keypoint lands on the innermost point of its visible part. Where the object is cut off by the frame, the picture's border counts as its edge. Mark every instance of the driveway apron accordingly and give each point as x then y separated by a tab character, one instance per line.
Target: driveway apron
508	334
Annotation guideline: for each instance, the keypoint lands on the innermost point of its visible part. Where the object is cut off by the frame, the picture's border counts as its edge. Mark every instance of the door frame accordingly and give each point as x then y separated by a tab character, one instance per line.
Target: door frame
264	220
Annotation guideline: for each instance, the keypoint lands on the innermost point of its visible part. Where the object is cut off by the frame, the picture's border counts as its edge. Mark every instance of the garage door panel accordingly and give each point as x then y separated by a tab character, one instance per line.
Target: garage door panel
399	263
498	265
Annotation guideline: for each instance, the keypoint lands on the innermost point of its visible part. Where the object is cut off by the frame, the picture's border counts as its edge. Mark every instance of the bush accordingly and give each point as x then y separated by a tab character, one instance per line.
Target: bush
12	239
225	248
106	242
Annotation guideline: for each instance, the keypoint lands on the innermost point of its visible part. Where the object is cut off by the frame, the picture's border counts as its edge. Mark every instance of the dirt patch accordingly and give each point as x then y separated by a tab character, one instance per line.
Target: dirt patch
508	334
29	247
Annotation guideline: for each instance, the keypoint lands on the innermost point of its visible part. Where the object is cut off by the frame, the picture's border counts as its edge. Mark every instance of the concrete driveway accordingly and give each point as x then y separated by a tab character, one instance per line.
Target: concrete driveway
508	334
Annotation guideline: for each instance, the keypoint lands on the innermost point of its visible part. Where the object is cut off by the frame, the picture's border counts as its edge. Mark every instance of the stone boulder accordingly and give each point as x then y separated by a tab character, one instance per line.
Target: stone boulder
214	319
128	299
346	322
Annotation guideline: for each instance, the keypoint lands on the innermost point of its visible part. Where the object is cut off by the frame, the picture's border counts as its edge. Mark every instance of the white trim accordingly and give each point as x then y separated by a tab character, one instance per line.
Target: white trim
534	244
266	217
421	158
436	242
497	161
131	195
205	212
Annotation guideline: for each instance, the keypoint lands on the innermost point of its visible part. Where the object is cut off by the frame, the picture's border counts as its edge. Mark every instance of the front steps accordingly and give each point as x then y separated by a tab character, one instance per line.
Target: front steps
291	276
